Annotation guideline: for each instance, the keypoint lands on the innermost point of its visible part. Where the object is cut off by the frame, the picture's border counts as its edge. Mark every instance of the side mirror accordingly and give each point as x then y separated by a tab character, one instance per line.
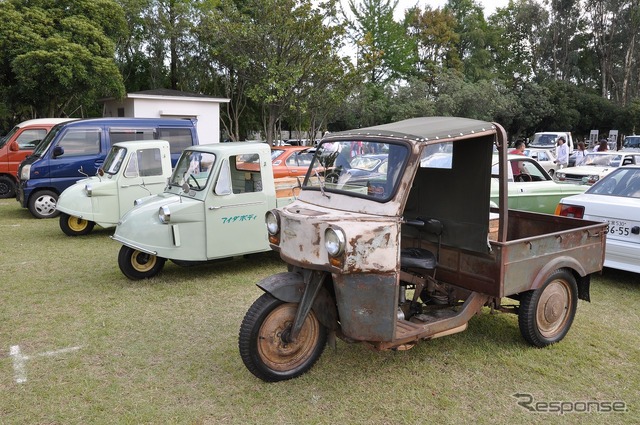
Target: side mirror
58	151
14	147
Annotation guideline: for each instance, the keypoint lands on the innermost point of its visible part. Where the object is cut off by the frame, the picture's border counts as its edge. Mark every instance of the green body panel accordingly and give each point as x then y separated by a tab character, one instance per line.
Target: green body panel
203	224
112	195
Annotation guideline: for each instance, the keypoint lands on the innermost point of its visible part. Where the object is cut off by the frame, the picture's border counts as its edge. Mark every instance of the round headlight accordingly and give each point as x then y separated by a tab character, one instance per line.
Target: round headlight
273	222
164	214
334	241
88	189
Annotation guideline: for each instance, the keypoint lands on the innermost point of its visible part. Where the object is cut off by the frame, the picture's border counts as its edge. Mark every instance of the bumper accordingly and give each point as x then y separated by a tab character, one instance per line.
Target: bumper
622	256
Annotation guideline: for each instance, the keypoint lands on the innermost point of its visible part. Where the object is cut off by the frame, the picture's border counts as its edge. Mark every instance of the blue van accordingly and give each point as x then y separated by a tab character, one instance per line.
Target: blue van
76	149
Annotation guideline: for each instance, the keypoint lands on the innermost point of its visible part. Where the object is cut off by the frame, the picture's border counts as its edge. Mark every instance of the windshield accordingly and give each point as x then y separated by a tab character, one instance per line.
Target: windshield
44	144
544	140
193	168
623	182
275	153
632	142
114	160
364	169
611	160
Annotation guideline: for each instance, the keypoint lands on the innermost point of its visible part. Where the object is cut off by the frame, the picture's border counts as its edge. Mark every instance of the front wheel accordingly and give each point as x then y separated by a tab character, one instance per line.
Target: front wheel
264	345
75	226
546	314
42	204
138	265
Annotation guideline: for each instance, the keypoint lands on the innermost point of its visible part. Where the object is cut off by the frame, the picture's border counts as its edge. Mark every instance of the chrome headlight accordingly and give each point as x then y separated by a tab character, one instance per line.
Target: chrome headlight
137	202
272	219
560	176
25	173
334	241
88	189
164	214
594	178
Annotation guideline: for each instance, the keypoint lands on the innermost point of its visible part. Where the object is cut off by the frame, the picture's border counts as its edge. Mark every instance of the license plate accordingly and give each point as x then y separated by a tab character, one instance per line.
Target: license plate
619	228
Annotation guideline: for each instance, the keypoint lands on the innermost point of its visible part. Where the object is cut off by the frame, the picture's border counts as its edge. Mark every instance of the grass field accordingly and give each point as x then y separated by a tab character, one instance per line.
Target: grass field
82	344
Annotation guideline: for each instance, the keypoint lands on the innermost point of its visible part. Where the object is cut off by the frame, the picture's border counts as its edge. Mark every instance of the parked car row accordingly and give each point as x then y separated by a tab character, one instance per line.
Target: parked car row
135	170
76	149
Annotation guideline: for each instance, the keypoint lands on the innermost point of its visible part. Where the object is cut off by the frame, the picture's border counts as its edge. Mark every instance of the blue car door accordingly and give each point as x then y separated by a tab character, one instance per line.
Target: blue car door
77	154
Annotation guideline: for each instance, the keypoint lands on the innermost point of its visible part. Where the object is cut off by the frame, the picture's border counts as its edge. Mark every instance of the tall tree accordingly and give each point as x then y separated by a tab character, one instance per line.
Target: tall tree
278	48
58	56
520	29
385	53
474	39
169	25
436	41
565	26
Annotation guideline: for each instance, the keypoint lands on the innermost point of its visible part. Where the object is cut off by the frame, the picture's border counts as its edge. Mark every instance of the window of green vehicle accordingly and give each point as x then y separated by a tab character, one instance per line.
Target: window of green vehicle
194	169
145	163
245	173
114	159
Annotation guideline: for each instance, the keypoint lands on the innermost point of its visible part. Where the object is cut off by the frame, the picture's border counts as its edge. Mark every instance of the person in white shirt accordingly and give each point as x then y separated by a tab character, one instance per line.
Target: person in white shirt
562	153
581	154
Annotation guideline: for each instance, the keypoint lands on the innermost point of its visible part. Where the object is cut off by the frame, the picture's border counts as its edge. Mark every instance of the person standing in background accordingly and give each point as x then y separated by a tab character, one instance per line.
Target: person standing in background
562	153
581	154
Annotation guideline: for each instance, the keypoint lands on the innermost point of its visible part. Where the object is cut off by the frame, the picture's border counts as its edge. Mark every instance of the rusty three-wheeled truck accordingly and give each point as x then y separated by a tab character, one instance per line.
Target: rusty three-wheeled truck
407	247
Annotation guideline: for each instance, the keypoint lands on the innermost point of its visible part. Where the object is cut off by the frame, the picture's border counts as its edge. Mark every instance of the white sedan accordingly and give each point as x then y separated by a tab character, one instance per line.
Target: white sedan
614	199
597	165
545	157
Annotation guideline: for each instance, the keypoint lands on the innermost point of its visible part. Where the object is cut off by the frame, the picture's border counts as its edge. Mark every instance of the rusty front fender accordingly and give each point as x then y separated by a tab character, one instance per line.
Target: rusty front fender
289	287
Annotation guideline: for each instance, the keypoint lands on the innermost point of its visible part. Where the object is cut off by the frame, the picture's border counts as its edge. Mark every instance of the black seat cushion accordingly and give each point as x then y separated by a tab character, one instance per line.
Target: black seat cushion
417	258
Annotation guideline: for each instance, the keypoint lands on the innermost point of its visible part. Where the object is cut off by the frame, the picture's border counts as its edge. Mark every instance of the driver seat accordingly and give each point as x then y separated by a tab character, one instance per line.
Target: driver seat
418	265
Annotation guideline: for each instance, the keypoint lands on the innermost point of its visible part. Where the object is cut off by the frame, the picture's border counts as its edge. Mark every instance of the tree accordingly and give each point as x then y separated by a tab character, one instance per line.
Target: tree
461	98
436	41
385	53
520	29
58	56
277	48
474	39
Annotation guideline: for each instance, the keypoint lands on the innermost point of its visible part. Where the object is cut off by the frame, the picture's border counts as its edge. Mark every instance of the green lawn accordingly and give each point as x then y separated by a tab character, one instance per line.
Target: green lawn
90	346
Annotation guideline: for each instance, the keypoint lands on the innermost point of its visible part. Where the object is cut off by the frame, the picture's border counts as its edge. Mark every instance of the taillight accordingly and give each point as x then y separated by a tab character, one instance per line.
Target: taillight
573	211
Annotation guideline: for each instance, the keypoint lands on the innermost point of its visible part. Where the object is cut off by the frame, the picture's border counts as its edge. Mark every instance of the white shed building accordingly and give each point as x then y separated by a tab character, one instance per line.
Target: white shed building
166	103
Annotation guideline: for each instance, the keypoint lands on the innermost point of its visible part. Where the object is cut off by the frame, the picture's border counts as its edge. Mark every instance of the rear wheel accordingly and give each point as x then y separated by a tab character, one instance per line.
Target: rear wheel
546	314
7	187
75	226
138	265
264	344
42	204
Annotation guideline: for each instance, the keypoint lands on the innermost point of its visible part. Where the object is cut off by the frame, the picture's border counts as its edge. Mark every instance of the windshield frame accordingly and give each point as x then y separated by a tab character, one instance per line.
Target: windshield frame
325	176
189	162
116	153
42	147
